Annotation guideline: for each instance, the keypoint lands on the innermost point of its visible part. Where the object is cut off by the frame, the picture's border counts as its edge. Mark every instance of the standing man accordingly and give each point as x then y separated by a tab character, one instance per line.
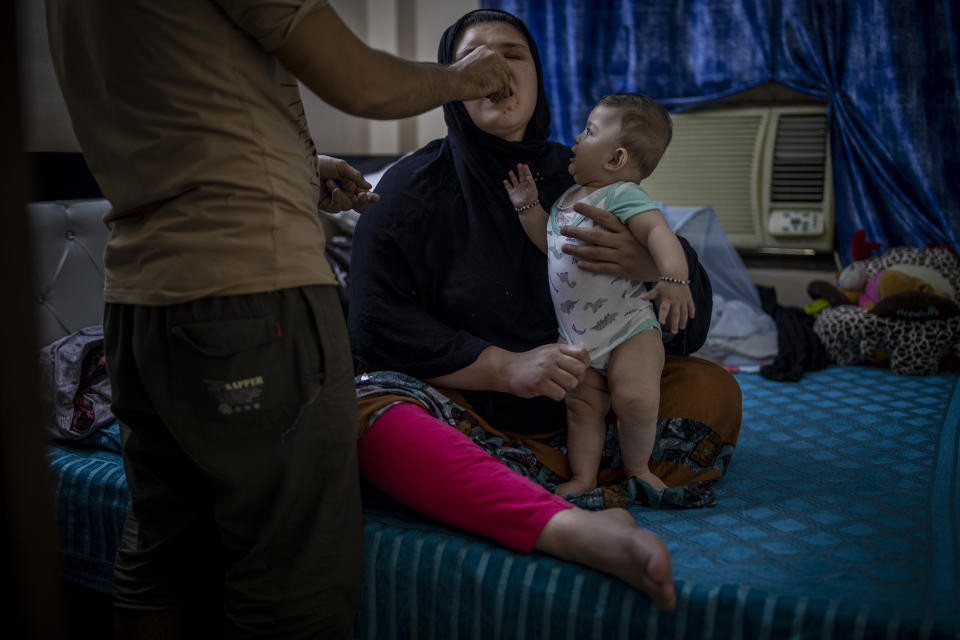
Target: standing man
226	348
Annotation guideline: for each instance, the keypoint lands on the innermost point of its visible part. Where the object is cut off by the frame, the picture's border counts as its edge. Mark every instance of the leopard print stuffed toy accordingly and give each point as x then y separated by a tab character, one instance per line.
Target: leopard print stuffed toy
853	335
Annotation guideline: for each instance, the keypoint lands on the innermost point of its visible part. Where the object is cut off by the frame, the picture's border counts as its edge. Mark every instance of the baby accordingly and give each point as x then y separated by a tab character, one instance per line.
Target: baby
613	318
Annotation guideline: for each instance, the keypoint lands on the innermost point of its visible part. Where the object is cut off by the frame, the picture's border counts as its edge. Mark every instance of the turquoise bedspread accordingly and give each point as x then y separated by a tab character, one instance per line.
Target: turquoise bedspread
838	518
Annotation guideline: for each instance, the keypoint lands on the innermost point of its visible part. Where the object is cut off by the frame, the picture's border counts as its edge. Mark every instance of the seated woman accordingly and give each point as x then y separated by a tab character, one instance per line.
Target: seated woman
449	308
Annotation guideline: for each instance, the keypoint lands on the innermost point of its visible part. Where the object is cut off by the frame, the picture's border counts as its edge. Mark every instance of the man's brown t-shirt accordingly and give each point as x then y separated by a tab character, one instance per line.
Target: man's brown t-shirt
196	134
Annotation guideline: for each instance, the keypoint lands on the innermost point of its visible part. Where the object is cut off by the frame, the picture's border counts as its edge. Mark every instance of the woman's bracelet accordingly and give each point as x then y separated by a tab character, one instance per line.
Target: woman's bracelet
526	206
674	280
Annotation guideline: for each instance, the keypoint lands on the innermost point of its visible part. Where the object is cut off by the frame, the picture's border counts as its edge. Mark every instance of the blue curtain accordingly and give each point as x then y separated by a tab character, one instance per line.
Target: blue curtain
887	69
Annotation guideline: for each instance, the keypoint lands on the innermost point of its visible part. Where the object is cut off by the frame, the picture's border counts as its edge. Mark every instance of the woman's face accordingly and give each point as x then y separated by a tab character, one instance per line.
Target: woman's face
507	118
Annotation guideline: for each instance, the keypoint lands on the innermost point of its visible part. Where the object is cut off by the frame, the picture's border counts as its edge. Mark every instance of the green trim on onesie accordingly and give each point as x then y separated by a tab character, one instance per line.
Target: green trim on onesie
643	326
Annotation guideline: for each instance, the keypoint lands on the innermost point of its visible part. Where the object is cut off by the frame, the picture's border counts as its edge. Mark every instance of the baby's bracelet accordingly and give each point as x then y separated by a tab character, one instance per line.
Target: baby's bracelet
526	206
674	280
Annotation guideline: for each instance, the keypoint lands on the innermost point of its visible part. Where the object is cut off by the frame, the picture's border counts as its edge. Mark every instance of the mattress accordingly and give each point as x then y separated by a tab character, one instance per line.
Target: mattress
838	518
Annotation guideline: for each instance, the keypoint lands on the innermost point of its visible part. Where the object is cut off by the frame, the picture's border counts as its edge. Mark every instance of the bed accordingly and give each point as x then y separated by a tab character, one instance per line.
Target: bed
838	517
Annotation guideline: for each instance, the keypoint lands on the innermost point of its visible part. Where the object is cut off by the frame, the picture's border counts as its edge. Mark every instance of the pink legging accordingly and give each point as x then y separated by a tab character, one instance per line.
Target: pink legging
433	468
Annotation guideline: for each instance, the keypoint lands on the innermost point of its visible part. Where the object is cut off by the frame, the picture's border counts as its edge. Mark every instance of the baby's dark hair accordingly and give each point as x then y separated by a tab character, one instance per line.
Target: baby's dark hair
646	125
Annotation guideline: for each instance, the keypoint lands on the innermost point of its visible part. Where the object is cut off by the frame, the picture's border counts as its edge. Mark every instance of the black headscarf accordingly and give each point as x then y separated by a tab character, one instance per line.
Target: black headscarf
441	268
482	160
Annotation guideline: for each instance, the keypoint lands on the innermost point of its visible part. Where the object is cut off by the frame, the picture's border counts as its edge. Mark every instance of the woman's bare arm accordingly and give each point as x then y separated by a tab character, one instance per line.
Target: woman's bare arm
551	370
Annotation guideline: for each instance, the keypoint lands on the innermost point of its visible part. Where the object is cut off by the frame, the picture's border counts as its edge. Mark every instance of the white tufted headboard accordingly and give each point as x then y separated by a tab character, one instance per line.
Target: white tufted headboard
67	240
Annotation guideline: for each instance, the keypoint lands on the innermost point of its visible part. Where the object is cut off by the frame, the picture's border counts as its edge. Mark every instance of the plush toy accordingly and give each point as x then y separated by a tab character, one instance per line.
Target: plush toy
898	307
908	289
901	290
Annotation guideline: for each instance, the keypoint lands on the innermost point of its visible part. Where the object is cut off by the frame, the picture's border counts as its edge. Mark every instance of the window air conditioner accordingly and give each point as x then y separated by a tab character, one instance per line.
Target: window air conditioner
764	170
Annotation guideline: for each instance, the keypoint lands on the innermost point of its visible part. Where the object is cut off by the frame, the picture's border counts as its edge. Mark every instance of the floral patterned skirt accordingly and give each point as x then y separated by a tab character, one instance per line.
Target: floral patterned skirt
697	432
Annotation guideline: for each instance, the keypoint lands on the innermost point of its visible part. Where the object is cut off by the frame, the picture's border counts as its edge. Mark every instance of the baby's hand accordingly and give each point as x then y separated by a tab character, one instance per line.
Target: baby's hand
520	187
676	304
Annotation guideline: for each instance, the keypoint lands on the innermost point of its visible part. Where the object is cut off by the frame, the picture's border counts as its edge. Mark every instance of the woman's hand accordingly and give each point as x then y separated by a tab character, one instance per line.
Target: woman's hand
609	249
552	370
344	187
520	187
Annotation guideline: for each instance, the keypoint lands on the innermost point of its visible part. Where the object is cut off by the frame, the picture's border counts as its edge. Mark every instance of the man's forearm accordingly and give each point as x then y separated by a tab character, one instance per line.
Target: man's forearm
344	72
388	87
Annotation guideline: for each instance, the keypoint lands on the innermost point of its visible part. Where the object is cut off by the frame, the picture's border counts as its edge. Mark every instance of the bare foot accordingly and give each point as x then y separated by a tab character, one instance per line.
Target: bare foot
575	487
647	476
610	541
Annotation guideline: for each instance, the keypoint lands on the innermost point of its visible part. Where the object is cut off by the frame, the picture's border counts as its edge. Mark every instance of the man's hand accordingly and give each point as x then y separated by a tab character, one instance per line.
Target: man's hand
552	370
520	187
676	304
609	249
485	74
343	186
376	84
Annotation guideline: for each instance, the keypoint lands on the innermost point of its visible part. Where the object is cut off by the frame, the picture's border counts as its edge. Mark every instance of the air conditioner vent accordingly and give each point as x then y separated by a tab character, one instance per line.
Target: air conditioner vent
756	167
799	159
710	162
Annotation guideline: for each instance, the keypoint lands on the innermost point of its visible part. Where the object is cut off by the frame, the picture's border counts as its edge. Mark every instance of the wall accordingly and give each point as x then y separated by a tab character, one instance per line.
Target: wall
409	28
46	125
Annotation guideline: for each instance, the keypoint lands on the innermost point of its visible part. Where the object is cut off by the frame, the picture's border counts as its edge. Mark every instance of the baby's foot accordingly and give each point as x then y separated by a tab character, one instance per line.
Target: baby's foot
575	487
647	476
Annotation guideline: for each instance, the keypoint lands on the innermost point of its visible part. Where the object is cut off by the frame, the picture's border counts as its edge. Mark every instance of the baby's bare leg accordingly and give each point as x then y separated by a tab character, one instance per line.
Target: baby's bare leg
633	375
587	408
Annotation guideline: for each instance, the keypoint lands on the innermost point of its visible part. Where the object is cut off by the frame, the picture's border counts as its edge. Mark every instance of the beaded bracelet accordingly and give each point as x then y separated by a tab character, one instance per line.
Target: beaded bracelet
526	206
674	280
